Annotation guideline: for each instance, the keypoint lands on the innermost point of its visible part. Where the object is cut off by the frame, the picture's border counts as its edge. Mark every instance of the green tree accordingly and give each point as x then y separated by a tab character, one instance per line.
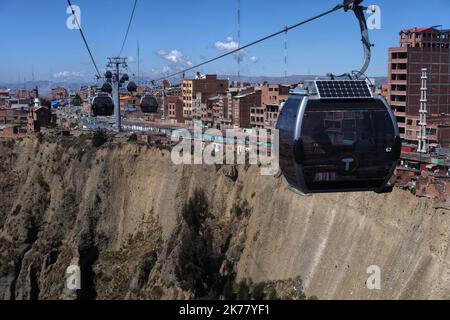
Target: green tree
258	291
133	137
243	291
77	101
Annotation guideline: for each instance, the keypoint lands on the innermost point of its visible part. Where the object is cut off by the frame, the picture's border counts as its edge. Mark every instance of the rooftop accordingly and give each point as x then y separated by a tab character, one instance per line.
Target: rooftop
423	29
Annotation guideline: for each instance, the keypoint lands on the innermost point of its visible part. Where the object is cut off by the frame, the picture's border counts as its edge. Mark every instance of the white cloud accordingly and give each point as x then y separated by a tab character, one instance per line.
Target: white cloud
230	45
68	74
177	61
174	56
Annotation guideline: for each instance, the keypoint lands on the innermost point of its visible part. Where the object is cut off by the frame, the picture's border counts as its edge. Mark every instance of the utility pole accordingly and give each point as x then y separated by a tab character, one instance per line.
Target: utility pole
164	100
139	64
285	54
116	63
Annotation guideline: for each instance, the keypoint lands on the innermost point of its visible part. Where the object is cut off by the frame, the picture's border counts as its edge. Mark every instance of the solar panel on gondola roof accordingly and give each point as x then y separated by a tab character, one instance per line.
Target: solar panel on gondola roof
343	89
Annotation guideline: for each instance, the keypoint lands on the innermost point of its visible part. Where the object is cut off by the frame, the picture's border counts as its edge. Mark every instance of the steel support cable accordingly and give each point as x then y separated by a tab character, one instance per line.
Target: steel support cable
128	28
284	30
84	39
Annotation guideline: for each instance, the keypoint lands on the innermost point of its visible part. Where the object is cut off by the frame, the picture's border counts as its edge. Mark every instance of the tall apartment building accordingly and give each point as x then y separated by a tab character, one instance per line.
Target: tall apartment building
273	96
204	87
5	95
215	112
58	93
175	108
243	105
421	48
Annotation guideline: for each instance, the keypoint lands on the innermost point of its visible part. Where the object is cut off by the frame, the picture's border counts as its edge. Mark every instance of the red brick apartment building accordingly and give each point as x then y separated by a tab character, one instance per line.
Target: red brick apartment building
215	111
174	105
4	96
38	118
204	87
25	120
244	104
13	121
273	97
58	93
421	48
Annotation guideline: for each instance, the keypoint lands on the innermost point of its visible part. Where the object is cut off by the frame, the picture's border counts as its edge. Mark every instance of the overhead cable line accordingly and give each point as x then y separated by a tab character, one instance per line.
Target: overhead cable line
84	39
128	29
284	30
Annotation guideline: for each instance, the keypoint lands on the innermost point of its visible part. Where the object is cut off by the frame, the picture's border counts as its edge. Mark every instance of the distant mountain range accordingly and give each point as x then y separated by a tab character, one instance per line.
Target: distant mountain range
46	86
290	79
43	86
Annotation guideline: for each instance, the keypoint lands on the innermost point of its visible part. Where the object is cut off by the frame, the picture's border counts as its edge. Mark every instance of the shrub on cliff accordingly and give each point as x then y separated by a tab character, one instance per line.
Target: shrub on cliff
99	138
133	137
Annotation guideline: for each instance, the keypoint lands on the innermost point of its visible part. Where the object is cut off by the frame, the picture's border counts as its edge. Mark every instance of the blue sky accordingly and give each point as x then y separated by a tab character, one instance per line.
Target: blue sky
173	34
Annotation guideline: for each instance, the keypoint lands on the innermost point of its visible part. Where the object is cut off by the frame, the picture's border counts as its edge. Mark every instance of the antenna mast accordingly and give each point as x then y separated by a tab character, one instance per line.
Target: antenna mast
239	40
285	55
139	63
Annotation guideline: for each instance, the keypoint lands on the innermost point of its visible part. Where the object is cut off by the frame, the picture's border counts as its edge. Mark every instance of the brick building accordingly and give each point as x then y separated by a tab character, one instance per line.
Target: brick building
4	97
10	130
13	121
244	104
24	94
174	106
273	96
38	118
421	48
203	87
58	93
215	112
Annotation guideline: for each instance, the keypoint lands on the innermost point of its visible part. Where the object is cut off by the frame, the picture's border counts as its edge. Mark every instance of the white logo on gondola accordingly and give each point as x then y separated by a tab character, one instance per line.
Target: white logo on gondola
348	162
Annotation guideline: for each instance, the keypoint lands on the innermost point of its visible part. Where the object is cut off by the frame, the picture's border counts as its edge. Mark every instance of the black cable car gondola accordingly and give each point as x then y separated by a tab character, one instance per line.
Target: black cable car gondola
149	104
102	105
336	137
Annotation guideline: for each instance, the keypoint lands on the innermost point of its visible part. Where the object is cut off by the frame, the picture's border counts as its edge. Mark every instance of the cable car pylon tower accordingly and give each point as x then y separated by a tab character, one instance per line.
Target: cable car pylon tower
116	64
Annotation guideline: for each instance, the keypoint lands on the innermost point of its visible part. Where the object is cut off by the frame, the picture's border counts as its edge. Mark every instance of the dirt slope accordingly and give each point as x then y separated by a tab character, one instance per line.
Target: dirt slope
140	227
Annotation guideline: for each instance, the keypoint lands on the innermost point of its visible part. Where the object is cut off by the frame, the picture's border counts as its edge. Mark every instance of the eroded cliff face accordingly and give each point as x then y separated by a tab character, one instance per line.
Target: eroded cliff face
140	227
